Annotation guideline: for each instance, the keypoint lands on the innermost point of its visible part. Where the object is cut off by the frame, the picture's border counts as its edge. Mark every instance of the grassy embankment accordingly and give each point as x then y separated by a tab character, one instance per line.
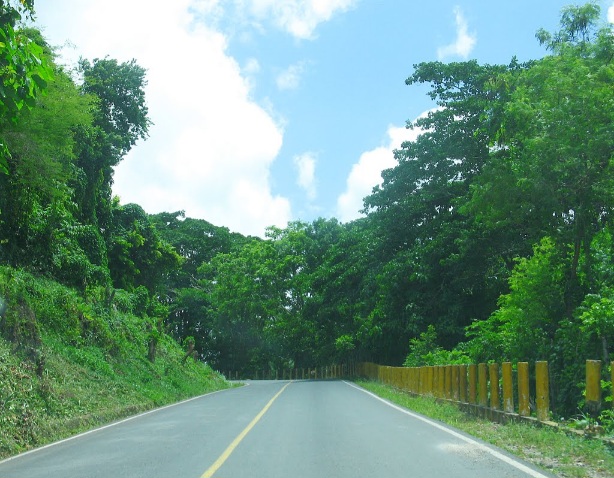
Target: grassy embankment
68	364
550	449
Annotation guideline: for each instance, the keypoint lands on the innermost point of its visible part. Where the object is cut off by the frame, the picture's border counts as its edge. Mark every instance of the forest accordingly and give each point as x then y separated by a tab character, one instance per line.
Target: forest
491	239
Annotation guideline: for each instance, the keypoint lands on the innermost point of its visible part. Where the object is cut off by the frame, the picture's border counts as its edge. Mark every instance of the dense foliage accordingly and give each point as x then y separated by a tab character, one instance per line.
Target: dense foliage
491	239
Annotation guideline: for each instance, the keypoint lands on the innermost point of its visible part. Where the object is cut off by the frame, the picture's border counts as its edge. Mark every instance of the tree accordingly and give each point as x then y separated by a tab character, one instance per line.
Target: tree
197	242
120	119
138	256
341	296
523	327
553	182
246	303
556	145
24	69
38	227
433	270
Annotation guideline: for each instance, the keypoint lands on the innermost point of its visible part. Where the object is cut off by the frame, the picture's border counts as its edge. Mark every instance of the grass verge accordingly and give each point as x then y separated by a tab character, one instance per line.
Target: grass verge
552	450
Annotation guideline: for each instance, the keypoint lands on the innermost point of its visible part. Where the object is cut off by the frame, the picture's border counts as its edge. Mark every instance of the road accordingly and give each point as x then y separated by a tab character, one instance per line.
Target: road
310	429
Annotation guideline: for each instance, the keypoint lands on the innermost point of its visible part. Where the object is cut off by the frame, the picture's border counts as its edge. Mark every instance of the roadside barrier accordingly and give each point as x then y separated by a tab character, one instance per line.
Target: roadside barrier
336	371
499	392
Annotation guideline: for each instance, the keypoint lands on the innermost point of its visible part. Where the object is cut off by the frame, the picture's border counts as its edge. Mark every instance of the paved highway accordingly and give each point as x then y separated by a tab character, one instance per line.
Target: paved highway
311	429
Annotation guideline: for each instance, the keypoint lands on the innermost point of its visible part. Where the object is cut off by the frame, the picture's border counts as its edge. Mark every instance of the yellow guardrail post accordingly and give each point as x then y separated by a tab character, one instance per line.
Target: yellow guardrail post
408	376
524	407
508	387
436	381
493	372
542	391
455	383
462	383
448	382
421	380
473	381
441	386
429	380
593	386
482	384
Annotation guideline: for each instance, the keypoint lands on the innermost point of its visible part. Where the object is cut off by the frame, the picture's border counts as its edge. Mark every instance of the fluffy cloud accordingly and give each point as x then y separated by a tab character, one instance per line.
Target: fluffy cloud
611	13
367	172
297	17
211	146
464	43
306	166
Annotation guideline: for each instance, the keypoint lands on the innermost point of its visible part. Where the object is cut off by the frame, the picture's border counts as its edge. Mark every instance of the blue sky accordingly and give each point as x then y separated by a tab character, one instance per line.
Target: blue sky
269	111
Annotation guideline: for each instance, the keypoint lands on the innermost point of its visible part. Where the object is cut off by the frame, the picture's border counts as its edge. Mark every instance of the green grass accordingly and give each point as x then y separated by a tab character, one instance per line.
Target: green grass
549	449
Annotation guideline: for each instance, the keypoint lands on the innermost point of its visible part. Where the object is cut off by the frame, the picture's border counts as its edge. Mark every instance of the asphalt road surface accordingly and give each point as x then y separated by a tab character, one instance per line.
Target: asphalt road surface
301	429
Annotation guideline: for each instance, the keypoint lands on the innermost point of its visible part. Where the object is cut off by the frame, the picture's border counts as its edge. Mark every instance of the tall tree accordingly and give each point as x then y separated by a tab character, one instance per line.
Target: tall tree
197	242
553	182
556	144
120	119
341	299
38	228
138	256
24	69
427	245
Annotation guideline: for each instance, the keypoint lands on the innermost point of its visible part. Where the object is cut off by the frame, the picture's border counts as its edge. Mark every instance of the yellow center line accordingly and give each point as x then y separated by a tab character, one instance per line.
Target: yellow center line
224	456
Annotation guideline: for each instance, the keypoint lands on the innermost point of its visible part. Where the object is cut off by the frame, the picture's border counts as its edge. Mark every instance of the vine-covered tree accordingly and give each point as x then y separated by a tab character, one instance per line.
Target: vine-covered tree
119	120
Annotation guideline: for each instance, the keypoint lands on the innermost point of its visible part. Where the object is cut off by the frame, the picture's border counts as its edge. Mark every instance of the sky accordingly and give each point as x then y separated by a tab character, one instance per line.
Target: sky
271	111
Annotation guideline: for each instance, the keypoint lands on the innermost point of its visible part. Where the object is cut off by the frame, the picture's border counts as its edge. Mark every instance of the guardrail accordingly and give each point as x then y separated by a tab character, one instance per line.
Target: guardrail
313	373
496	391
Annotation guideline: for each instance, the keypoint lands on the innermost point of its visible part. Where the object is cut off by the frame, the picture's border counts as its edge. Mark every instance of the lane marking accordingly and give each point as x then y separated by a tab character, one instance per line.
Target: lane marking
224	456
482	446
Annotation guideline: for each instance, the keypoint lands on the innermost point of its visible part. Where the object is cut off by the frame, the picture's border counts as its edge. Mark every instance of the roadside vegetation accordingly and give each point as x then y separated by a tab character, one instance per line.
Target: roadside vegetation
565	455
491	240
75	364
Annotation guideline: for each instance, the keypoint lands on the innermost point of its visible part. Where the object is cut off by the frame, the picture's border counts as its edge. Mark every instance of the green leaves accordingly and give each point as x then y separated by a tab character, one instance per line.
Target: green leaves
122	110
24	75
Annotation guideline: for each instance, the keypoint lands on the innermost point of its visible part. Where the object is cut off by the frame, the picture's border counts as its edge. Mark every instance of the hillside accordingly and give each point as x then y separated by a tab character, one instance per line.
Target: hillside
68	364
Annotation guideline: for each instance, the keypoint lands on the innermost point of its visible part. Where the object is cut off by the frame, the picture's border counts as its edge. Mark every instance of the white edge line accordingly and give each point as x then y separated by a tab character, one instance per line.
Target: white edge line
482	446
104	427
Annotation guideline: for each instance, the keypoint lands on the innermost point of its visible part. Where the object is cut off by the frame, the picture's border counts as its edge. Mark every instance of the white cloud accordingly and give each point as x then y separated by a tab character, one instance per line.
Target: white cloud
464	42
306	166
300	18
290	78
611	13
211	147
367	172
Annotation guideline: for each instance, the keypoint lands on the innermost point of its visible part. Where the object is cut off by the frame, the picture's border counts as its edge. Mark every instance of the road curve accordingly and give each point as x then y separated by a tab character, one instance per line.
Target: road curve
273	429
